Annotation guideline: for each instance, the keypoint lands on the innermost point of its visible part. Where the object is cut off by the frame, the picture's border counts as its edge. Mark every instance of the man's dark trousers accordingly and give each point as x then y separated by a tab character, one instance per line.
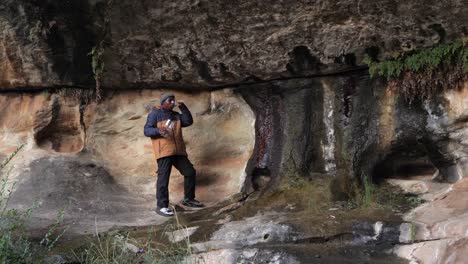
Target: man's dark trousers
185	167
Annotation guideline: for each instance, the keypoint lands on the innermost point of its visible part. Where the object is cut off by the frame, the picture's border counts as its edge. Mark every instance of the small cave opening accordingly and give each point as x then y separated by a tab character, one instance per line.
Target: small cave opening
60	130
260	178
409	161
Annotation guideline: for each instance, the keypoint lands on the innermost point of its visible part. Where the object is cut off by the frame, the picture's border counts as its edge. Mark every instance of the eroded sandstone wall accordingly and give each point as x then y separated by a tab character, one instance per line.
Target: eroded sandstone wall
93	159
272	52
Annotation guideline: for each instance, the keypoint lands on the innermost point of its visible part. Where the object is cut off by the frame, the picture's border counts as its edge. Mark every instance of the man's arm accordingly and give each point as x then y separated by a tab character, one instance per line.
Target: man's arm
150	127
186	117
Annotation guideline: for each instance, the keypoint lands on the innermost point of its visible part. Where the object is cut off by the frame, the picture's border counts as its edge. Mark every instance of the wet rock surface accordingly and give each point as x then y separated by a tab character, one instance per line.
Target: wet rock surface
290	237
243	256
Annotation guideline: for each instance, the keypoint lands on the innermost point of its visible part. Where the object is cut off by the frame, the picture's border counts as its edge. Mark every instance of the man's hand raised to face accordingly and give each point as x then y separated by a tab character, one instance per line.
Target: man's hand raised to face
180	104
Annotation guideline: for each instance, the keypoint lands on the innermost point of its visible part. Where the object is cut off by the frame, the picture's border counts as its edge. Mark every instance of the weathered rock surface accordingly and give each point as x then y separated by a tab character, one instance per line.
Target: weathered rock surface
351	125
86	193
290	237
231	151
94	161
254	231
440	226
279	122
244	256
426	134
200	43
453	250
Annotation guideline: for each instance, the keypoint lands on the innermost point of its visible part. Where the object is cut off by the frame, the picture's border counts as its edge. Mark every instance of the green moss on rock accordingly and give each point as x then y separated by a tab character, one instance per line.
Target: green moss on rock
424	73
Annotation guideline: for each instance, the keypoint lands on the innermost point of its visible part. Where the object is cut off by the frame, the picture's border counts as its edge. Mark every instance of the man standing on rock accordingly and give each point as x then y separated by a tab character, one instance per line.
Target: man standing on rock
164	126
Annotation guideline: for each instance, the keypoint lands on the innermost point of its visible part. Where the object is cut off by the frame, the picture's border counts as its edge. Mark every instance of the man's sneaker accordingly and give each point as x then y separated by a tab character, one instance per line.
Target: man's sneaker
164	211
192	203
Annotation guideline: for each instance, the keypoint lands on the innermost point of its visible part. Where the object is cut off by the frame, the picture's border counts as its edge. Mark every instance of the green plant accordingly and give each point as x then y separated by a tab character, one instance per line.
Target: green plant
412	232
369	190
97	52
415	201
97	64
35	32
108	248
423	73
169	252
10	157
50	239
118	247
45	93
15	245
384	196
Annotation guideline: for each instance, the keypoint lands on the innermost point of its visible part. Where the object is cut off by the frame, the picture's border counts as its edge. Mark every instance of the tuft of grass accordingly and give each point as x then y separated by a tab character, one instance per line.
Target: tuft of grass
369	190
170	252
97	64
109	248
118	247
301	193
385	197
413	232
314	193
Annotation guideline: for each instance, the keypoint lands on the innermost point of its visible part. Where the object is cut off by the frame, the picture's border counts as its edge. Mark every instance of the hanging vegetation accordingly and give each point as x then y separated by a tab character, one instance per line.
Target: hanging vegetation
424	73
97	64
97	52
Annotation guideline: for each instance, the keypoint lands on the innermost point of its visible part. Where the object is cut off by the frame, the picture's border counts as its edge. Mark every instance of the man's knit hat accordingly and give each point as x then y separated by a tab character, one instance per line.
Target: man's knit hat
164	97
